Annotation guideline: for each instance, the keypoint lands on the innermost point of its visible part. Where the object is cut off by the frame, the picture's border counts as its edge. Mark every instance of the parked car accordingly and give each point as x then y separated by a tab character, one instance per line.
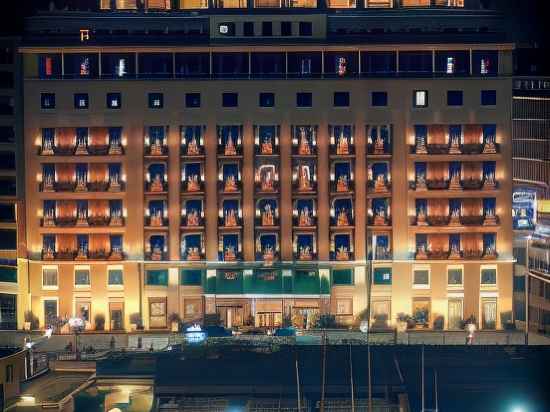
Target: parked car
217	332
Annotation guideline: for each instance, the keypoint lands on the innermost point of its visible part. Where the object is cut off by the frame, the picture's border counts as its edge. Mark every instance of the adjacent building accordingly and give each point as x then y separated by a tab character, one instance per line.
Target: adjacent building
269	166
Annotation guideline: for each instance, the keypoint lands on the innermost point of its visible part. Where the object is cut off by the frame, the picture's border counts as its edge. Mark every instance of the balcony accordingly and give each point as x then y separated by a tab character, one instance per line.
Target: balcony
81	141
82	254
267	213
469	246
455	140
192	141
156	141
266	179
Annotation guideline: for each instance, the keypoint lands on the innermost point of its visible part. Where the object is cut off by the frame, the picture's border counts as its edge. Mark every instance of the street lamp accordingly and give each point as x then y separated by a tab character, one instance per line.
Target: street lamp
77	326
526	286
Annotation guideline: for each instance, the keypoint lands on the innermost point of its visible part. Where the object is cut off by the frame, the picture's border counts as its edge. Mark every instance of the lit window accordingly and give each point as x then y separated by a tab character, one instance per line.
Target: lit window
47	100
81	101
82	276
113	100
421	278
156	100
49	277
420	98
488	276
115	277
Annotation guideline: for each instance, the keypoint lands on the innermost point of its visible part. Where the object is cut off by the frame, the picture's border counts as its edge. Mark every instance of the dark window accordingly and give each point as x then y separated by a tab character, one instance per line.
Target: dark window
7	160
6	80
7	134
49	66
378	63
452	63
230	99
8	311
156	277
379	98
268	64
454	98
304	99
342	277
420	98
81	101
192	100
7	105
8	239
6	55
341	99
226	29
488	97
47	100
230	64
304	64
192	65
7	212
248	28
114	100
155	65
341	64
267	28
267	99
415	63
191	277
118	65
156	100
305	28
78	65
7	186
485	63
286	28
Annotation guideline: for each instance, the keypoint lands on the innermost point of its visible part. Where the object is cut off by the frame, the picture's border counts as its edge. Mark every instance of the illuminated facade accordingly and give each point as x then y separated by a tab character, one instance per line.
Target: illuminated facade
254	166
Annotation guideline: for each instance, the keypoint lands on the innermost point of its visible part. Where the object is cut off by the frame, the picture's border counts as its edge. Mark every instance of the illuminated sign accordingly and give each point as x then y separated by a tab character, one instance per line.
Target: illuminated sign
230	275
84	35
524	206
194	334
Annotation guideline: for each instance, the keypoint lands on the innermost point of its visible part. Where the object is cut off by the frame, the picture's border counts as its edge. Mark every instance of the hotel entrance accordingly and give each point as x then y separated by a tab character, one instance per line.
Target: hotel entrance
269	313
305	313
231	316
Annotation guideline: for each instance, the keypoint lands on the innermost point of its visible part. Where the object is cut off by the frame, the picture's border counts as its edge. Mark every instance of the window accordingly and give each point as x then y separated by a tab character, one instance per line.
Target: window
49	277
192	65
82	277
382	276
77	66
8	274
267	99
488	97
342	277
454	276
115	277
192	100
268	65
7	160
47	100
156	100
226	29
6	80
81	101
454	97
7	212
157	313
230	99
50	312
421	278
7	134
8	311
488	276
485	63
267	28
9	374
420	98
114	100
305	28
304	99
49	66
415	63
191	277
378	63
379	99
8	186
8	239
7	105
286	28
156	278
155	65
118	65
248	28
303	64
341	99
230	64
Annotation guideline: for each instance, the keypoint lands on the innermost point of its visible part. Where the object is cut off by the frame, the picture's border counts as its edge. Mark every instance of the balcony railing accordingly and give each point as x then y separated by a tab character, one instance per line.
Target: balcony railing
73	150
450	149
82	254
470	254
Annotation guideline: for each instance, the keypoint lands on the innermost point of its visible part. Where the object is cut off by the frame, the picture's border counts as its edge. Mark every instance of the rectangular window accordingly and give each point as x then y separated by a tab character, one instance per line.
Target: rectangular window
420	98
156	100
342	277
248	28
157	313
7	160
485	63
379	99
268	65
8	311
7	212
192	100
9	374
47	100
156	278
49	278
192	65
155	65
488	313
118	65
7	105
8	274
382	276
6	80
114	100
230	99
79	66
226	28
286	28
50	312
488	276
8	186
378	63
305	28
49	66
488	97
421	278
454	98
267	28
82	277
341	99
304	99
454	277
267	99
191	277
8	239
415	63
115	277
81	101
7	134
231	65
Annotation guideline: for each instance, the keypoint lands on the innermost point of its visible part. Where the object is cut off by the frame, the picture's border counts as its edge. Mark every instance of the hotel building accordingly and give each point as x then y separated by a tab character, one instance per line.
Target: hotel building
268	162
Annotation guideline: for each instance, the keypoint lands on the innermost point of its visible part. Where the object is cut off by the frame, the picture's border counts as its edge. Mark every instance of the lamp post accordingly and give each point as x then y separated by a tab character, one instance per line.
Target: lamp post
77	326
527	273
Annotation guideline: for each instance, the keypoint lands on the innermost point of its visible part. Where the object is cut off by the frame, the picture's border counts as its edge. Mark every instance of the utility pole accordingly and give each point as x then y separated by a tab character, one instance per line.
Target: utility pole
435	391
322	405
351	379
298	384
422	381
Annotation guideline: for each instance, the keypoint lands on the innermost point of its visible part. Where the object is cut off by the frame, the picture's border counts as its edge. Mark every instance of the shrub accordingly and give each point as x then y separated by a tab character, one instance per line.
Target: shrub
326	321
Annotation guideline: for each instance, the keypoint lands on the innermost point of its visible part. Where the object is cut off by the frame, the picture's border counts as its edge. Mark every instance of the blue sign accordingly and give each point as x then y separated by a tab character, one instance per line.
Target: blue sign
194	334
524	208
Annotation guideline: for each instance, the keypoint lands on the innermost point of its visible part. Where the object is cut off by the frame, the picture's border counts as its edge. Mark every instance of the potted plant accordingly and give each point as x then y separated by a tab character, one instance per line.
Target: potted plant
135	321
31	321
175	320
403	320
99	321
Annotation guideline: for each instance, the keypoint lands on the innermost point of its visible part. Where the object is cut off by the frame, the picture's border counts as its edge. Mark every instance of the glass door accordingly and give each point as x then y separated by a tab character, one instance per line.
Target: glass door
455	313
489	313
117	315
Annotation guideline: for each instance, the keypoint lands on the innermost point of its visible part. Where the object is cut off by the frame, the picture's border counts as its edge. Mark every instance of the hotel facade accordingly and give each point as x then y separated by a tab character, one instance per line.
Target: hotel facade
269	163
